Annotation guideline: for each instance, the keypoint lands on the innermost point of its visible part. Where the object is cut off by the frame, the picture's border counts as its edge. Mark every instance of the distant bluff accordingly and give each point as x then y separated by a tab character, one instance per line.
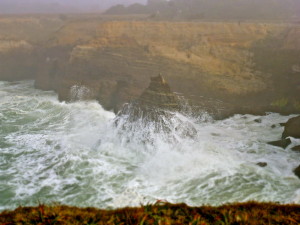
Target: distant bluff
249	67
213	9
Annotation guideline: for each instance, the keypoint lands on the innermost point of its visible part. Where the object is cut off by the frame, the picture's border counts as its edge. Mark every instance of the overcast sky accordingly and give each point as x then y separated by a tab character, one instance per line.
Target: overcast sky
31	6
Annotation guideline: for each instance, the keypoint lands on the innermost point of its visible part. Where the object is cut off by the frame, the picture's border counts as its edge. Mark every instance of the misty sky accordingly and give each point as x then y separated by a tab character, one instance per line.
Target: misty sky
40	6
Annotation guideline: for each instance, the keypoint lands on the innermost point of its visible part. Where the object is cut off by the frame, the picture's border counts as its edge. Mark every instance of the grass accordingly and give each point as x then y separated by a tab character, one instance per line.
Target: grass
159	213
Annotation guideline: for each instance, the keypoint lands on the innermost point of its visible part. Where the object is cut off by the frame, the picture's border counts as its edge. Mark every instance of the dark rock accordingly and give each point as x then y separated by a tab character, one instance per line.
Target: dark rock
159	95
282	124
273	126
257	120
156	105
292	128
262	164
281	143
297	171
296	148
155	101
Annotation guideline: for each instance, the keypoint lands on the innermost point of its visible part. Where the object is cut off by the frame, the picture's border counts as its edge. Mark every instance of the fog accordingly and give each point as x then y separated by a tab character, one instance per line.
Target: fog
59	6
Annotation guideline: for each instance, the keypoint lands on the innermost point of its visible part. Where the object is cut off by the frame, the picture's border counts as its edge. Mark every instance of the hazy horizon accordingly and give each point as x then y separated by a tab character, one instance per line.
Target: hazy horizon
59	6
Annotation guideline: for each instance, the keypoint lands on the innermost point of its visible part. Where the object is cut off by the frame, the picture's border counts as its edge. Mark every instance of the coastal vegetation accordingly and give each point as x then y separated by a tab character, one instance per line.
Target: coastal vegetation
159	213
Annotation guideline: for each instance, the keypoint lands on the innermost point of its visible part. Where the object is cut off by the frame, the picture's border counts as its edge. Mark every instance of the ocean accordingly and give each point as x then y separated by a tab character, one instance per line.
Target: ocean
73	153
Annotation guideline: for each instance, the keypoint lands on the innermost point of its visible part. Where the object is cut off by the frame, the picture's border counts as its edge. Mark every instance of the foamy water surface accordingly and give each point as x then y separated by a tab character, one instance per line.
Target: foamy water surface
74	154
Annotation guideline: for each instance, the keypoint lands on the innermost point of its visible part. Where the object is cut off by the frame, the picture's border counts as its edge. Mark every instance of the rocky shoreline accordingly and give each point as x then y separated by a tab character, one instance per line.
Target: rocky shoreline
291	130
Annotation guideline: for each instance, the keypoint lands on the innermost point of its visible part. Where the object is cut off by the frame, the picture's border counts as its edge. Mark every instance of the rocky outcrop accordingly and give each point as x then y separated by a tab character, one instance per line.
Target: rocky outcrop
292	128
159	95
296	149
156	109
262	164
283	143
156	101
297	171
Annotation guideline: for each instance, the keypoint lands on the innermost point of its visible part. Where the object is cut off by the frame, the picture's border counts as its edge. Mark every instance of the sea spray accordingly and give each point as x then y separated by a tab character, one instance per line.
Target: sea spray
80	93
73	153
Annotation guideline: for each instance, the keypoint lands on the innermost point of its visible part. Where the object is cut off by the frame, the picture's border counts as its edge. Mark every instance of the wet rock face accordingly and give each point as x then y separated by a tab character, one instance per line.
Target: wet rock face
283	143
296	149
297	171
156	101
262	164
159	95
155	108
292	128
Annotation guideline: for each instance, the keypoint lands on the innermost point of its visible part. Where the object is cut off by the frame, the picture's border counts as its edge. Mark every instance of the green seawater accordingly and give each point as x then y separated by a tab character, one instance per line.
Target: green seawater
73	153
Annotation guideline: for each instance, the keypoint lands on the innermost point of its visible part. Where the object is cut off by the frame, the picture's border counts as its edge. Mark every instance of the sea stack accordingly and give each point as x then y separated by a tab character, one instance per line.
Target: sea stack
159	95
155	108
157	100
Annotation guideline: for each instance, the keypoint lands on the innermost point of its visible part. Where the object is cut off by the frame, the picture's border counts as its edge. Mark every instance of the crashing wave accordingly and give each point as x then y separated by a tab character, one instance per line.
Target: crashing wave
157	111
79	93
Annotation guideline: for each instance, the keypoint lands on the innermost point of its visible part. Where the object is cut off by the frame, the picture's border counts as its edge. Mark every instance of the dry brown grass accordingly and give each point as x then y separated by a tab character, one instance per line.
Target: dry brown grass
159	213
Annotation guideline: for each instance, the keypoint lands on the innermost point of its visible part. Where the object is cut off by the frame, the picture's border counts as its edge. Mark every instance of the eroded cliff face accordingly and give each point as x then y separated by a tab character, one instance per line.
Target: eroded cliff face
20	39
252	67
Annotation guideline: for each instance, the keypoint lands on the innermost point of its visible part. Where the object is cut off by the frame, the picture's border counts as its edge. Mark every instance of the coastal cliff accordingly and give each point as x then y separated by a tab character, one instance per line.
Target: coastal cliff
249	67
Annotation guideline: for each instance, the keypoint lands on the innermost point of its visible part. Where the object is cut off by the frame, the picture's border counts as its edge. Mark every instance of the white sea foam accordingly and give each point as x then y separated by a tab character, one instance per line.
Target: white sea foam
73	153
